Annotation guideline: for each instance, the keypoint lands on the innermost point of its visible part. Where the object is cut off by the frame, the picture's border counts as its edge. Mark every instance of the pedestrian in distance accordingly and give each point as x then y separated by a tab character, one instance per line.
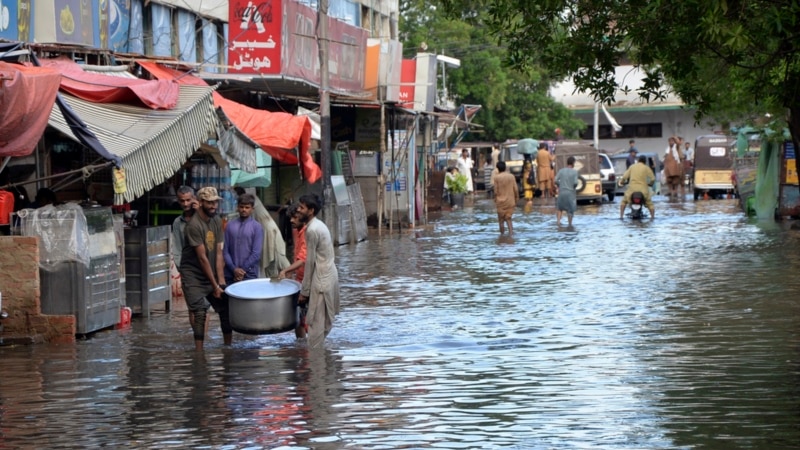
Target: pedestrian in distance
202	267
673	168
449	181
544	172
244	238
506	194
566	181
465	165
297	268
688	162
632	152
321	279
489	172
528	183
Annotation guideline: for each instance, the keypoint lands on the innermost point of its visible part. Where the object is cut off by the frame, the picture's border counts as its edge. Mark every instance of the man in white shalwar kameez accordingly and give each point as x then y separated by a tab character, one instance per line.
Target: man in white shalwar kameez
321	280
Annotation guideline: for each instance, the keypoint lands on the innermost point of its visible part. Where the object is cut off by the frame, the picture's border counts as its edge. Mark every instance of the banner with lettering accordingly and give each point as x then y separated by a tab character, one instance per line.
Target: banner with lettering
254	36
408	79
346	50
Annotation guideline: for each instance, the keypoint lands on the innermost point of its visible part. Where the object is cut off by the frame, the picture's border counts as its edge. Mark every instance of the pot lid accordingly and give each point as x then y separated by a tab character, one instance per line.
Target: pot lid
261	288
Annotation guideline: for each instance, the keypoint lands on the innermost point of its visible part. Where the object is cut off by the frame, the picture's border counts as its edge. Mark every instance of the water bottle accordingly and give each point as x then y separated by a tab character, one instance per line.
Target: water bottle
202	179
225	178
213	176
196	176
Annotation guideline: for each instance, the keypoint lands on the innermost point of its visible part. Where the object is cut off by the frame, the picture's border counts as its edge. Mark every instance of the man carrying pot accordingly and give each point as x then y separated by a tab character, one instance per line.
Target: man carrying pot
202	267
244	237
321	279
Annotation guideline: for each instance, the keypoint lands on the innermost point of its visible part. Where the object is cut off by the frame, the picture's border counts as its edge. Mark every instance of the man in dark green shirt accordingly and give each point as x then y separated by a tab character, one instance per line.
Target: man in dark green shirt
202	266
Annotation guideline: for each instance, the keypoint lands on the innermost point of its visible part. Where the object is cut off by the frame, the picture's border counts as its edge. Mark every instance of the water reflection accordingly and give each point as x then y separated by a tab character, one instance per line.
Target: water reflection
679	332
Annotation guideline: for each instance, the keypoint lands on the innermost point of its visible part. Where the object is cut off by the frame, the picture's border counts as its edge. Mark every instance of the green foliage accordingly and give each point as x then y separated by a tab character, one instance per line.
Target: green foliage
515	102
457	184
730	60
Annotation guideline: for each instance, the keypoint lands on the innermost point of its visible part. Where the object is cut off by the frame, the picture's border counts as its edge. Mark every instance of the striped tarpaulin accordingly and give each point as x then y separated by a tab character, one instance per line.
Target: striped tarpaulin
234	146
153	144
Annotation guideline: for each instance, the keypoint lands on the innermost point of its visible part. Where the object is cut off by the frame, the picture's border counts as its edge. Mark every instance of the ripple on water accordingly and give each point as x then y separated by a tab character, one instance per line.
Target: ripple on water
679	332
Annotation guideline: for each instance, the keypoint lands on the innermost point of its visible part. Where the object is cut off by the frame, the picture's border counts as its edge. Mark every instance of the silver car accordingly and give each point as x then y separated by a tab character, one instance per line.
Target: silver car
608	177
620	166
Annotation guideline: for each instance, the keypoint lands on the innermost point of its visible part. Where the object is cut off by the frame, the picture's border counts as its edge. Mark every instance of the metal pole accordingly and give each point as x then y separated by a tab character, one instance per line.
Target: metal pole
596	125
324	103
381	181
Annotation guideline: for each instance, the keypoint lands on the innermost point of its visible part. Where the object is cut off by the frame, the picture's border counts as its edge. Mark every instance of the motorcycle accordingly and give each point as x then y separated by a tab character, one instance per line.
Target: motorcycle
637	206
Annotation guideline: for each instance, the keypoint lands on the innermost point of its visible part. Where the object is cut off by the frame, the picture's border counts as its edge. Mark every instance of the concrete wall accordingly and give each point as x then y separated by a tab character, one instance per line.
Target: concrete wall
678	122
19	284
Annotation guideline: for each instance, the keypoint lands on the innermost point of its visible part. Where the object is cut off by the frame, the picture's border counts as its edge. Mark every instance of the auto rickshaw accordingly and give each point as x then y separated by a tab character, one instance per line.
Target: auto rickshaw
590	184
713	166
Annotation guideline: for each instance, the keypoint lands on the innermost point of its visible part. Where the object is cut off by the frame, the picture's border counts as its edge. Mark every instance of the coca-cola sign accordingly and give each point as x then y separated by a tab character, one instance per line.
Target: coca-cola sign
254	36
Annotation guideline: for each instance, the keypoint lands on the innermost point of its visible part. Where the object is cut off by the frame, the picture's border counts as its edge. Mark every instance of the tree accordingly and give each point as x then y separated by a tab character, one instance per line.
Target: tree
731	59
515	102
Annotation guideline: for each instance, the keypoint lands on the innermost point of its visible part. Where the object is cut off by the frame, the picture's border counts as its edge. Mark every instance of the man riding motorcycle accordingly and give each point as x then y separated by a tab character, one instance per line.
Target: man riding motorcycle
639	178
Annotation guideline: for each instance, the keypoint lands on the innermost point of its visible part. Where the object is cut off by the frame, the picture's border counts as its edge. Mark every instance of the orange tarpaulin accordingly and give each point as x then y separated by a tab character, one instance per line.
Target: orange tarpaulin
277	133
26	98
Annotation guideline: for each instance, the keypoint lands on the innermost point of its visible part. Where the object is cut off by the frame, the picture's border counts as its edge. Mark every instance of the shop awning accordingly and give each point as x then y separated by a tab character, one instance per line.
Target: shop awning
27	95
102	88
151	144
276	133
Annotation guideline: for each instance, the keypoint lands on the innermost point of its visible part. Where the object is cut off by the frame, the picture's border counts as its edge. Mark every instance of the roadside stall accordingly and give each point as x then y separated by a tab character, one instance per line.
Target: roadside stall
79	263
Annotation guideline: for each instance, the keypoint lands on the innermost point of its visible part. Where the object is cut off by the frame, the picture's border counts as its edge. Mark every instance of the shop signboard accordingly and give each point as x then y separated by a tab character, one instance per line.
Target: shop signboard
15	20
368	125
119	19
67	22
346	51
790	173
255	36
408	78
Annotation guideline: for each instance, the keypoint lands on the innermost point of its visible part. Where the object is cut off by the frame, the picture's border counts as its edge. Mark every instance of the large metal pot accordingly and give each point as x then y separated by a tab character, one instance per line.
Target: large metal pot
262	306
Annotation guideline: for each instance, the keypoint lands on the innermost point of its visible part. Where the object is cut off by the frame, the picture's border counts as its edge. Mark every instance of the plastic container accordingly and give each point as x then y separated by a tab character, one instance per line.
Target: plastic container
125	314
6	207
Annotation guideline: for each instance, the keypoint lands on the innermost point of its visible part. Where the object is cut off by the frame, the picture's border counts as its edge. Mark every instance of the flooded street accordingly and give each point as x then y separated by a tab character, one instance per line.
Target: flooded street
681	332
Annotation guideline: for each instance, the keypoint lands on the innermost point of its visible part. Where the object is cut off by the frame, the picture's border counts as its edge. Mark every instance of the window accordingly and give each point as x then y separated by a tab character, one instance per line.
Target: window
635	130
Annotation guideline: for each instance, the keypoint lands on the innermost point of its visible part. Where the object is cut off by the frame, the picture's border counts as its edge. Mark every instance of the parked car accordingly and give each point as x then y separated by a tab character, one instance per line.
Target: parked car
608	177
618	161
587	164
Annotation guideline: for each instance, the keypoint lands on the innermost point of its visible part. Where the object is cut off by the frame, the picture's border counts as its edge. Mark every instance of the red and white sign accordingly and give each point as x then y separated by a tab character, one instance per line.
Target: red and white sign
346	50
408	79
255	36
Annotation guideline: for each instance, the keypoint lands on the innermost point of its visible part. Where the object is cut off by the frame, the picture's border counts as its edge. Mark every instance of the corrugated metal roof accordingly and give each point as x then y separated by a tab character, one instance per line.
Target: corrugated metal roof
153	144
114	71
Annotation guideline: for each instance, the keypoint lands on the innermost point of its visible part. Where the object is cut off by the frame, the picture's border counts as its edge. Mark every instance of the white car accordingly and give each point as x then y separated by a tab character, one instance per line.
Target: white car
608	177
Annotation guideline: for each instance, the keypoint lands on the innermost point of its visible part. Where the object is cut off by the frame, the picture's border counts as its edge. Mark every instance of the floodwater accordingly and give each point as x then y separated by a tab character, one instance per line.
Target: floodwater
681	332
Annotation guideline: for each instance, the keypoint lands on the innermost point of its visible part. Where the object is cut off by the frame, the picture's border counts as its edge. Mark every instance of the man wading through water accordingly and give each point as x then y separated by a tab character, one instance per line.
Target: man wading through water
321	279
202	268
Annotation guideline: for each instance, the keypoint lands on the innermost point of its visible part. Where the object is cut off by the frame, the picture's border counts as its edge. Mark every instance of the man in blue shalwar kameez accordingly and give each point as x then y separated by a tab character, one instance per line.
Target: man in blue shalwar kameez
244	237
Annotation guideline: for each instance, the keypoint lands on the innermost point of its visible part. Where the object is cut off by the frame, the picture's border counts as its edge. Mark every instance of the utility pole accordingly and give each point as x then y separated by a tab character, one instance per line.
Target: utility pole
324	107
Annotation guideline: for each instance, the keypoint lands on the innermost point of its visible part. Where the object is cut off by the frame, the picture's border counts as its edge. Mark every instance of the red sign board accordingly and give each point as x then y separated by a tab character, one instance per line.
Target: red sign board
347	49
408	78
254	36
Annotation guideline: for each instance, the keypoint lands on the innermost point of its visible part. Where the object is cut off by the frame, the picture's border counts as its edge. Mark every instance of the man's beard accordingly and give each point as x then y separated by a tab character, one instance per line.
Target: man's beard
210	213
